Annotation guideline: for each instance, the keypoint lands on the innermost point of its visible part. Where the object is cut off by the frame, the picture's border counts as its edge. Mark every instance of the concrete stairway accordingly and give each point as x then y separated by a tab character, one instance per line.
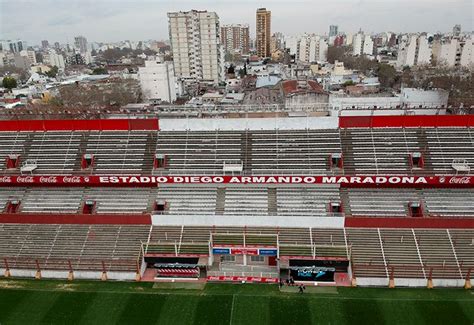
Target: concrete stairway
220	201
272	201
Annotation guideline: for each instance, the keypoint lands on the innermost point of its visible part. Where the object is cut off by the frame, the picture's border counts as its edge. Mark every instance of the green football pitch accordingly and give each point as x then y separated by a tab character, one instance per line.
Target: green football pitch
88	302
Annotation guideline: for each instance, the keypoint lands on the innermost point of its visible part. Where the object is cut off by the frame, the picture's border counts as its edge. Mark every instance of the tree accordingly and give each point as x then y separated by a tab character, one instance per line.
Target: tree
407	78
7	70
361	63
335	53
229	57
51	73
9	82
39	57
387	75
99	71
149	52
348	83
112	55
114	92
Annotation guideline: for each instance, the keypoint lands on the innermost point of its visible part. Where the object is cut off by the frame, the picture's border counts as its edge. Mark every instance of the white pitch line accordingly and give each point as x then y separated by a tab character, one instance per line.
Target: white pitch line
232	309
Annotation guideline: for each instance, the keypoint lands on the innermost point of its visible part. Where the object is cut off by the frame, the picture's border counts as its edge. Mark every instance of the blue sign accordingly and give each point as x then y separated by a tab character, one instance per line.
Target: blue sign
267	252
221	251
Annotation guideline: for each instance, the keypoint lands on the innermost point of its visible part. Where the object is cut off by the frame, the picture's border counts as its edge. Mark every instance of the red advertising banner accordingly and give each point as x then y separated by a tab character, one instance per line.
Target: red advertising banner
244	251
316	258
242	278
406	121
403	222
151	181
80	125
82	219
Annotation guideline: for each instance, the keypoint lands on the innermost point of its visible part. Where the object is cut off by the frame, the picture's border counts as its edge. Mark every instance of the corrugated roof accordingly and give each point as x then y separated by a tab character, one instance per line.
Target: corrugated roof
295	86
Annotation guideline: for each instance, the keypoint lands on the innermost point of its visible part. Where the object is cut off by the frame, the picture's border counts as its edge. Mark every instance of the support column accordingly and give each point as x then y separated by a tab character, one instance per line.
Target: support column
391	281
104	272
430	279
7	268
38	271
138	277
70	275
467	283
353	277
353	282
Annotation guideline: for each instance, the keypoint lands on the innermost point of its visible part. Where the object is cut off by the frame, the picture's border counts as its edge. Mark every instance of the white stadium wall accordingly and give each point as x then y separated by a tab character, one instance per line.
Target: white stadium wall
404	282
85	275
393	112
239	124
250	221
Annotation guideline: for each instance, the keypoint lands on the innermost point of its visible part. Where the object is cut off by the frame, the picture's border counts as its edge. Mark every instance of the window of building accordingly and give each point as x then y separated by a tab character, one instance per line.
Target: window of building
228	258
257	258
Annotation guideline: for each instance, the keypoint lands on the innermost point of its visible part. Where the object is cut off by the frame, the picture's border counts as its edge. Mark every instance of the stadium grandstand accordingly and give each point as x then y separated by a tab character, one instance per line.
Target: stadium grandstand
349	200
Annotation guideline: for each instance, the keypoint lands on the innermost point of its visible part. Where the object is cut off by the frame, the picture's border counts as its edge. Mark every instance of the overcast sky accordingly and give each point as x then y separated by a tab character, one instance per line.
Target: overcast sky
114	20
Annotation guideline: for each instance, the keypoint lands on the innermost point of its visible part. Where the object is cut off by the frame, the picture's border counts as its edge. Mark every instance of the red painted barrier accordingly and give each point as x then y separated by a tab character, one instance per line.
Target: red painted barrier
242	278
153	181
406	121
407	222
85	219
80	125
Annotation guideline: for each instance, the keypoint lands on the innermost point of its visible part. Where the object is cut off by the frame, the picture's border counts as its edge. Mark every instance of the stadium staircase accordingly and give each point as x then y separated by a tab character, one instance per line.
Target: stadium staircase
272	201
246	154
463	242
346	205
347	152
27	146
15	144
149	156
82	149
423	144
220	201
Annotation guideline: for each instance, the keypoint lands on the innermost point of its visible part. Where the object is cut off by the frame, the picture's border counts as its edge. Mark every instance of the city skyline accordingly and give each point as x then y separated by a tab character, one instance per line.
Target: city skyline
111	20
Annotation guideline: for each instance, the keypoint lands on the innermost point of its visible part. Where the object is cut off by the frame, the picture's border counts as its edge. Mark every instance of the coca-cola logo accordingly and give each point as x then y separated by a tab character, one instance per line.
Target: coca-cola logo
25	179
71	179
460	180
48	179
5	179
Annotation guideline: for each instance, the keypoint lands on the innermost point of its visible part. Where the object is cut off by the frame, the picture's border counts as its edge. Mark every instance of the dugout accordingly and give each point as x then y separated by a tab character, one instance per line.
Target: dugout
314	270
177	267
